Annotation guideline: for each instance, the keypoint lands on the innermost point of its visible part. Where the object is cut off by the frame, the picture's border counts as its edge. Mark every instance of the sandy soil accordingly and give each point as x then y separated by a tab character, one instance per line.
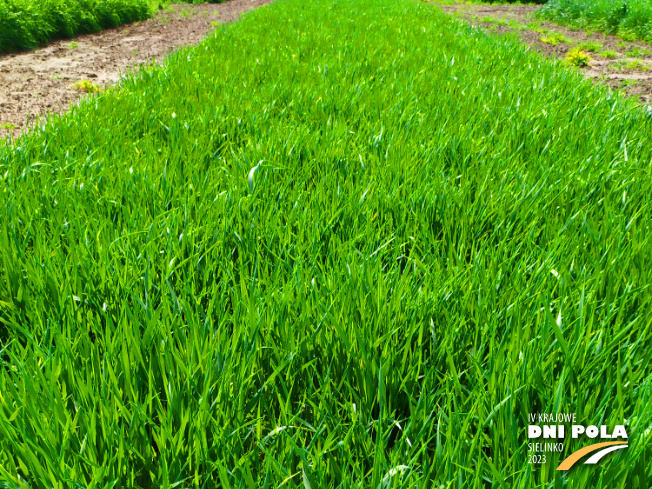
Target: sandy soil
41	81
626	72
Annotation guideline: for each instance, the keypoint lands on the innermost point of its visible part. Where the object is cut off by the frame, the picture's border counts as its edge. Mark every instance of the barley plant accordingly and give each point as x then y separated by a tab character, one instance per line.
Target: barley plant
337	244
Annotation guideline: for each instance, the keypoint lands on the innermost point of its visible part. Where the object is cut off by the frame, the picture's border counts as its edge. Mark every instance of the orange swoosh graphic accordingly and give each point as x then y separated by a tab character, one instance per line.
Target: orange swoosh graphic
575	456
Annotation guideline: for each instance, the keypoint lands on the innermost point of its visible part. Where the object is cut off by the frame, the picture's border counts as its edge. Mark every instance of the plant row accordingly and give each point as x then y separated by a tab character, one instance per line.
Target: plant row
630	19
27	24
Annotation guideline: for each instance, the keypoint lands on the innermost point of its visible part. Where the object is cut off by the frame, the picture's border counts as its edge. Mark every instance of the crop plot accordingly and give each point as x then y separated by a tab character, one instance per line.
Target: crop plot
26	24
36	83
622	65
336	244
630	19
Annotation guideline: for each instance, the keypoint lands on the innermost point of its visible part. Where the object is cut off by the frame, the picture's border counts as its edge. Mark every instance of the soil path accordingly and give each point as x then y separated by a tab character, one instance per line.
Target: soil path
37	82
625	66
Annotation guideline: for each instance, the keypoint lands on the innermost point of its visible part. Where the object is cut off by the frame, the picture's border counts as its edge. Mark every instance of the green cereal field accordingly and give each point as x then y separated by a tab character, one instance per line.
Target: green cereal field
338	244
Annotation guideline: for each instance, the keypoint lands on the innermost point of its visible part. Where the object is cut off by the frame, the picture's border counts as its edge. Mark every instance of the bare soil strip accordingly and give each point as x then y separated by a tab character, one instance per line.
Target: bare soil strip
627	68
41	81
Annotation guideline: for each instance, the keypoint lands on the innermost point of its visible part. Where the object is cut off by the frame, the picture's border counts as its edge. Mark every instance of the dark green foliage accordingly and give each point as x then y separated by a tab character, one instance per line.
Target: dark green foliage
629	18
26	24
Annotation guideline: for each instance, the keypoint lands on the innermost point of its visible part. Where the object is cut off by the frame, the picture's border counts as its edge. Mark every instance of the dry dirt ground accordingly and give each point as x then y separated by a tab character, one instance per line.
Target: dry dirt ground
37	82
628	67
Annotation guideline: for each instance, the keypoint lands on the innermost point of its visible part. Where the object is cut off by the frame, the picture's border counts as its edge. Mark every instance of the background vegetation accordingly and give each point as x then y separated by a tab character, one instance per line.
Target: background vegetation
26	24
338	244
630	19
